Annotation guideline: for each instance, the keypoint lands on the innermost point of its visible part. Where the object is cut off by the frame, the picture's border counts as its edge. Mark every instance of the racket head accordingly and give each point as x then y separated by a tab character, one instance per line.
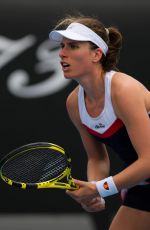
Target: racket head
37	165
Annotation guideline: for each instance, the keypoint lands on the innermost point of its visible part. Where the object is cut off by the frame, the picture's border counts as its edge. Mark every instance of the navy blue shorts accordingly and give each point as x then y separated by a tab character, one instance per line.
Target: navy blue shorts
138	197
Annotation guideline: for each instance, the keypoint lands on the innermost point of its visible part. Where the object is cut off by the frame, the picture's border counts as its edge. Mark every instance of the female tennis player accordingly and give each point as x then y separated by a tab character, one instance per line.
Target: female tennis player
108	108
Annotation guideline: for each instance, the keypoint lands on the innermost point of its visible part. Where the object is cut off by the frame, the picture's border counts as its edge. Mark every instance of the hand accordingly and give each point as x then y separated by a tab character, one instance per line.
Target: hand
88	196
97	204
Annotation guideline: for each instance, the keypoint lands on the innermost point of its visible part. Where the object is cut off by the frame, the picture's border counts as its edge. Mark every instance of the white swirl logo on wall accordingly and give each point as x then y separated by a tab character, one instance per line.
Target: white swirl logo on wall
18	82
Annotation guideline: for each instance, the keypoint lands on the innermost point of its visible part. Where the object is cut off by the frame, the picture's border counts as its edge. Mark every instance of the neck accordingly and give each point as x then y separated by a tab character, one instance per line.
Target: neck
93	85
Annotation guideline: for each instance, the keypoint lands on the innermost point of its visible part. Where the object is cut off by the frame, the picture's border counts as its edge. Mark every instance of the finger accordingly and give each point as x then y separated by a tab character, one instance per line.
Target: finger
95	200
95	207
73	195
102	201
79	182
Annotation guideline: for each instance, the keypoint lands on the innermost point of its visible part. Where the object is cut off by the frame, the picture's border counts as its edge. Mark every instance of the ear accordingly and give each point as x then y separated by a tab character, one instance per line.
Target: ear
97	55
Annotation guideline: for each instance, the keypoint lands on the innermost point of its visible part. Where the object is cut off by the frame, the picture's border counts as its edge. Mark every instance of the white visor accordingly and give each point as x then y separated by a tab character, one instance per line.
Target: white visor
79	32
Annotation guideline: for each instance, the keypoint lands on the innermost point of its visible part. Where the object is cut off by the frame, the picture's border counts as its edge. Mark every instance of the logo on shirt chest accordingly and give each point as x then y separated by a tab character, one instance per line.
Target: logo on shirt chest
100	125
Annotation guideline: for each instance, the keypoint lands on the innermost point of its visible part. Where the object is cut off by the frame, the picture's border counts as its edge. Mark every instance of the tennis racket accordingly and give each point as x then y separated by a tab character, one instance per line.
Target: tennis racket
38	165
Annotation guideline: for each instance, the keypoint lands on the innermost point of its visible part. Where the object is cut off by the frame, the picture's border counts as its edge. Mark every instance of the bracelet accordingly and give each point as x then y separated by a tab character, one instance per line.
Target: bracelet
106	187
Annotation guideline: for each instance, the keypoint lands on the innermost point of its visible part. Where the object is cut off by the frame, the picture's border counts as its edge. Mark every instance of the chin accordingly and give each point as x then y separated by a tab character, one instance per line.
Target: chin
69	76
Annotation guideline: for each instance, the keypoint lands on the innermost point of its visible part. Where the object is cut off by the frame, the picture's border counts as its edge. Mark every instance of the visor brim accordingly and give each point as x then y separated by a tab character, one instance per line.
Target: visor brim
59	35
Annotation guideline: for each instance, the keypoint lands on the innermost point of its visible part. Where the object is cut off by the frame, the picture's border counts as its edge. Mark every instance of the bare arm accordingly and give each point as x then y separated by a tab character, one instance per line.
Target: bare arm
98	161
129	100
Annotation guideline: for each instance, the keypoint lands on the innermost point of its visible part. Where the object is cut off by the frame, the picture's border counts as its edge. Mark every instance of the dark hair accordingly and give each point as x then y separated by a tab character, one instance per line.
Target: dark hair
111	36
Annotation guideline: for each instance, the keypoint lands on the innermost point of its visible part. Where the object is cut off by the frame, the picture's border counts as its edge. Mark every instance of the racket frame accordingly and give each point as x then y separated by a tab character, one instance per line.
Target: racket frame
53	183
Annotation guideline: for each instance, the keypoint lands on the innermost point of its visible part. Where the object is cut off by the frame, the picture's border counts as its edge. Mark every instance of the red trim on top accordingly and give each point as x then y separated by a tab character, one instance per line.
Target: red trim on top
112	129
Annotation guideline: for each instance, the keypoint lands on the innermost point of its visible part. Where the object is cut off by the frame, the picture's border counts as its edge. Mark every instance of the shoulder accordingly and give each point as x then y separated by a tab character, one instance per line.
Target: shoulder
72	99
127	93
124	86
72	107
123	82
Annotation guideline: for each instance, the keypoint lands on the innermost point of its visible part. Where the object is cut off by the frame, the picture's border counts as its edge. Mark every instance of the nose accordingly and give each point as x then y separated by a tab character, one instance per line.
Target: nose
62	52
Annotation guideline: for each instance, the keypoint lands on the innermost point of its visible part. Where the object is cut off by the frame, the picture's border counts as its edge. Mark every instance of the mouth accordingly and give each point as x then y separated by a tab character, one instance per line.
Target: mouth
65	66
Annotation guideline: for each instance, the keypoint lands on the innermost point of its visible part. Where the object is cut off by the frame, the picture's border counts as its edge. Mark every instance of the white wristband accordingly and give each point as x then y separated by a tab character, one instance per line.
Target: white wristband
106	187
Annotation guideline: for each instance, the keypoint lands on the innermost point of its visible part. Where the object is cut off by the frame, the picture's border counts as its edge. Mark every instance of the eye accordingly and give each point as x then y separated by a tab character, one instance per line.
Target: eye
74	45
62	45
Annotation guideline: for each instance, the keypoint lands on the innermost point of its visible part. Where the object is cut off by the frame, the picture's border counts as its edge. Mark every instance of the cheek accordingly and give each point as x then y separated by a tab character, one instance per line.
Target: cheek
82	59
82	66
79	59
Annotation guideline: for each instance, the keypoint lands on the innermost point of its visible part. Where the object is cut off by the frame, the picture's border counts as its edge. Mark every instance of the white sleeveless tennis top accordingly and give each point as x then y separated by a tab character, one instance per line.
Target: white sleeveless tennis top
107	118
